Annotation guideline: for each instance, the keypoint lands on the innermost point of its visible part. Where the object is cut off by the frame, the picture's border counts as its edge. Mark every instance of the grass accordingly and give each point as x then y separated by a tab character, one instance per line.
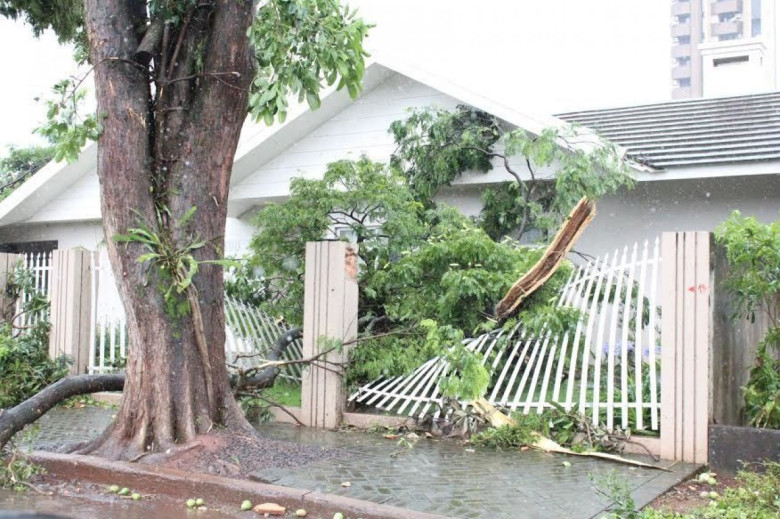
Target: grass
757	496
284	393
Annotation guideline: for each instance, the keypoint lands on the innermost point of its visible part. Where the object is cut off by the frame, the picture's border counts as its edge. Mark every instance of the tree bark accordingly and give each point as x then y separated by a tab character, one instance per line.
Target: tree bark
13	420
163	151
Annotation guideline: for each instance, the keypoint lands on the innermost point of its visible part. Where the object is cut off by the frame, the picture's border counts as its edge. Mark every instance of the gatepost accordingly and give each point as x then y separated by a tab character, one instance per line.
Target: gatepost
70	294
329	320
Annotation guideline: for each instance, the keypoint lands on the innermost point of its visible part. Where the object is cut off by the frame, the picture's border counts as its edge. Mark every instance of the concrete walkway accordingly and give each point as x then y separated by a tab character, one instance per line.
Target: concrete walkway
438	476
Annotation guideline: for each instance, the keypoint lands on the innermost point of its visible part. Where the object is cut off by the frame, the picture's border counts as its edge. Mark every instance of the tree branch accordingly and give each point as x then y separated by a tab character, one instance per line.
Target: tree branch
150	42
13	420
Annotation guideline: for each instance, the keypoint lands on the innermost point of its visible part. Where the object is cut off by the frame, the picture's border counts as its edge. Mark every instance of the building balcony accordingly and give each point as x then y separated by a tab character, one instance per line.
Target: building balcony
681	29
681	72
681	8
726	28
681	51
726	6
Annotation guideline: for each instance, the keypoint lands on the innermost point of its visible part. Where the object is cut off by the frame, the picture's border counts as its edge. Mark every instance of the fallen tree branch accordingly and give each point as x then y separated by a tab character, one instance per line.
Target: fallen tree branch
498	419
270	370
13	420
567	235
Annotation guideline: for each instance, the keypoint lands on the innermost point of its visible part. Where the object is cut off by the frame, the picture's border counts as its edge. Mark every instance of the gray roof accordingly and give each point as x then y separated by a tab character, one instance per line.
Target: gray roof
692	132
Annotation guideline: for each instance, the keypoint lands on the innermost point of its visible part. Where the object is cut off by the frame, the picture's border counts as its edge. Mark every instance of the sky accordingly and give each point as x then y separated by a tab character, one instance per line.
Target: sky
545	56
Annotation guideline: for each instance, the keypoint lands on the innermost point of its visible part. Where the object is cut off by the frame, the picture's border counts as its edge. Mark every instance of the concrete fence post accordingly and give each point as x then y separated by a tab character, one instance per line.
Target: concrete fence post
685	348
70	295
7	266
329	312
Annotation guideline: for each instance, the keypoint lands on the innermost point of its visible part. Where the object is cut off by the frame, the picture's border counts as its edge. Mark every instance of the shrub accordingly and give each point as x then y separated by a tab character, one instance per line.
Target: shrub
25	366
753	253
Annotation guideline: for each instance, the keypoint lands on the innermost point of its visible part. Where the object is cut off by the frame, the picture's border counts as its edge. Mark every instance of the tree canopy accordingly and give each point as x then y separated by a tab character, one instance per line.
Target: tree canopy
437	146
430	276
19	164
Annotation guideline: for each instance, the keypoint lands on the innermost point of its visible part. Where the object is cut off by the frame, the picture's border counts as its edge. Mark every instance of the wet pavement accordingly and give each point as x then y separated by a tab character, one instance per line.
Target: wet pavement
96	506
438	476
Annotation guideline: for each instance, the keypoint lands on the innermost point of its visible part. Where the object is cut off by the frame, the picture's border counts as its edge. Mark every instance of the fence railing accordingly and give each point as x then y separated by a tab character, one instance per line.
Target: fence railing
606	368
38	264
249	331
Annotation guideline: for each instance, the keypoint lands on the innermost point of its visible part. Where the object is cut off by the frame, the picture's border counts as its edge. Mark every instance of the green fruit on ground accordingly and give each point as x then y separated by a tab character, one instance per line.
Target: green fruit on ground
199	501
190	503
135	496
113	489
124	491
338	515
714	495
246	505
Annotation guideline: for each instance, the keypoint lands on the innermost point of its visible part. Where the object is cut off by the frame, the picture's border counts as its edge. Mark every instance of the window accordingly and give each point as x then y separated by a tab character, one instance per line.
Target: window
755	18
28	247
718	62
684	82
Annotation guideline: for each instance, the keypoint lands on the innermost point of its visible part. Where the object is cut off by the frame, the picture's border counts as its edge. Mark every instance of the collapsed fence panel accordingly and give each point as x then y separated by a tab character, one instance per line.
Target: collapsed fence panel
606	367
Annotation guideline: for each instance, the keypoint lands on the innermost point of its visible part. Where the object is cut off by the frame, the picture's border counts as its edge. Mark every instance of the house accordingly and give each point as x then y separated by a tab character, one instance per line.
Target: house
695	162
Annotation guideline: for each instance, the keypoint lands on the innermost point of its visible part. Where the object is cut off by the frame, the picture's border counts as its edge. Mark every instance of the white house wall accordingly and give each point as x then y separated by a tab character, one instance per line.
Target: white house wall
81	201
361	128
68	235
678	205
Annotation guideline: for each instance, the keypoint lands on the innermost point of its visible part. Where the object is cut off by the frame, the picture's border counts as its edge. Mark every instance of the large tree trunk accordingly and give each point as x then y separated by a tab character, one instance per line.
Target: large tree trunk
170	131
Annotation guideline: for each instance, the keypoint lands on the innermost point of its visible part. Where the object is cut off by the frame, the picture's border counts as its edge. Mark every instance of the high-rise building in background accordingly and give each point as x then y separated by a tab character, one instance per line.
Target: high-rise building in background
724	47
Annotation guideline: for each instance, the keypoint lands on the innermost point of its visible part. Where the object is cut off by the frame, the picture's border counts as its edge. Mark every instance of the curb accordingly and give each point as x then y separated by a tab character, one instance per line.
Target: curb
230	492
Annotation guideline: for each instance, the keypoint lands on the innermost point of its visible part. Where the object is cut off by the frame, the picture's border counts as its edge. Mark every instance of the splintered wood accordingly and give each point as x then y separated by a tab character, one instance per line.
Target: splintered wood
498	419
567	235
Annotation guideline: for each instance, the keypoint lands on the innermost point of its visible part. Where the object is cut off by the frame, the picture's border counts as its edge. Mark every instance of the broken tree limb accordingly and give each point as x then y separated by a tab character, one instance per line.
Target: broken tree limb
567	235
268	373
150	44
14	419
498	419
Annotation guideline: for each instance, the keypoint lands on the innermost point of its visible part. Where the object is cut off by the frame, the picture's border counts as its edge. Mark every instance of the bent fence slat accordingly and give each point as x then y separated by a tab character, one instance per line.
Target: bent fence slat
606	365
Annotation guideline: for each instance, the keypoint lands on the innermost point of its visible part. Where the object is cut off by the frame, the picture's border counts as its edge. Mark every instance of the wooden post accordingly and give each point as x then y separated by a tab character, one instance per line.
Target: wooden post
70	295
685	346
329	312
735	342
7	266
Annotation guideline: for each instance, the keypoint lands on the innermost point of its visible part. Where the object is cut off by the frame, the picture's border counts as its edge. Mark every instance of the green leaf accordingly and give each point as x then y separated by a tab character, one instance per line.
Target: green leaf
187	216
227	263
313	99
147	257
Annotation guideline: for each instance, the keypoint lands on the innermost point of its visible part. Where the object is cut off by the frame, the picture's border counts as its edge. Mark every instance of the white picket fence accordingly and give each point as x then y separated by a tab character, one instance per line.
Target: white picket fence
249	331
39	265
606	368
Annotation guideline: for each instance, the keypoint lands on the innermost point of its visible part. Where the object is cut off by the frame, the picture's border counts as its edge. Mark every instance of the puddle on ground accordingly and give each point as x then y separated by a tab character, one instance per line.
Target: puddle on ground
98	506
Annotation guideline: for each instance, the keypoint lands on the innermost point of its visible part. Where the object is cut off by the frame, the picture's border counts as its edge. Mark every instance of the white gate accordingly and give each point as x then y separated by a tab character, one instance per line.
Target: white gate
607	368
